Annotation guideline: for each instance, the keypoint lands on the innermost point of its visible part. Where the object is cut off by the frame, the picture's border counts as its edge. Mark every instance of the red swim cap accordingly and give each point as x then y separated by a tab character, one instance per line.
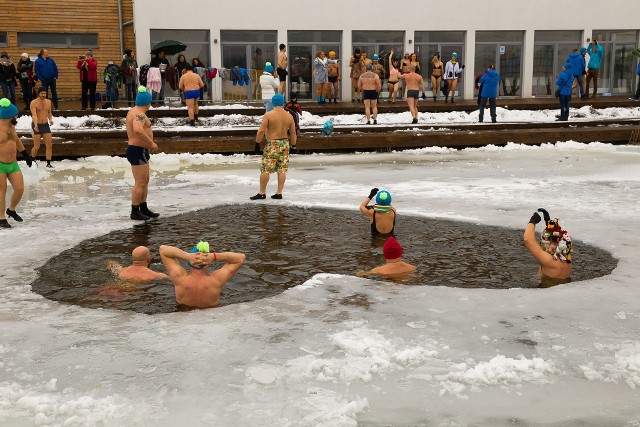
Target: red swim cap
392	249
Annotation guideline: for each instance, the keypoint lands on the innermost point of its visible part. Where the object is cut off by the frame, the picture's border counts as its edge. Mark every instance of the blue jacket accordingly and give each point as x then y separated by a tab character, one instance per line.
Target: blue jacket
489	82
639	68
578	63
595	58
565	81
46	69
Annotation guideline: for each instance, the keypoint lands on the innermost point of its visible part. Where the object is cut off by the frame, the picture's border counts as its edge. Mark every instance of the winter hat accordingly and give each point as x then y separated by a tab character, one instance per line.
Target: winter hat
568	66
331	53
583	49
7	109
556	241
293	95
375	56
4	55
90	53
383	198
269	68
392	249
277	100
143	97
24	55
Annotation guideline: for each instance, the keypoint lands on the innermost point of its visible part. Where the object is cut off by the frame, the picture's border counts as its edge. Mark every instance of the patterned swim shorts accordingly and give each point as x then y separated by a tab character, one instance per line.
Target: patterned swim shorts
275	157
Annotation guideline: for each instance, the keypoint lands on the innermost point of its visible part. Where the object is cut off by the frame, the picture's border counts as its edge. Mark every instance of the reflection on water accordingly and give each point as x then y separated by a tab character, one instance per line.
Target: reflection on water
287	245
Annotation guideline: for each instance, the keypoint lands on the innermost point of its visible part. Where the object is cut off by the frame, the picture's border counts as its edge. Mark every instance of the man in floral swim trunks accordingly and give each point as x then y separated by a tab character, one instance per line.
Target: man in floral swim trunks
279	127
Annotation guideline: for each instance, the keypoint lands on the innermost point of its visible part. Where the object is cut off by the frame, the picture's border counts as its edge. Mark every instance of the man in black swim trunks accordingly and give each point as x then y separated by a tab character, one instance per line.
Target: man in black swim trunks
140	142
282	68
42	119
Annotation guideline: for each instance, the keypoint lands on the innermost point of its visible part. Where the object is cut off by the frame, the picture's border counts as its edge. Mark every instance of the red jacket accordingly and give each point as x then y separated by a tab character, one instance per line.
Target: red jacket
92	70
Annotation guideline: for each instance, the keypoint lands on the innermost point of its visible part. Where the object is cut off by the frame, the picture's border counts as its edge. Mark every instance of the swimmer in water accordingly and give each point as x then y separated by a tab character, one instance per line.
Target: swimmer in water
382	215
139	270
196	288
394	268
555	247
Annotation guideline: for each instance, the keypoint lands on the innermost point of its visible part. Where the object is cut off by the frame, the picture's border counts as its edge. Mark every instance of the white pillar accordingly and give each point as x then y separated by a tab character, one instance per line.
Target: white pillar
469	69
345	56
216	61
527	71
409	41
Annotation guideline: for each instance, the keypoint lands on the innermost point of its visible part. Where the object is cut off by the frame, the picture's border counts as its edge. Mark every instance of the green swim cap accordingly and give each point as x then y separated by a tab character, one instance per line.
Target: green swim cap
203	247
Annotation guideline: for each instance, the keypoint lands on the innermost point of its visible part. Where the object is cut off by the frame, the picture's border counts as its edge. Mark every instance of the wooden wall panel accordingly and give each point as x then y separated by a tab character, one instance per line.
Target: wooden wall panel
76	16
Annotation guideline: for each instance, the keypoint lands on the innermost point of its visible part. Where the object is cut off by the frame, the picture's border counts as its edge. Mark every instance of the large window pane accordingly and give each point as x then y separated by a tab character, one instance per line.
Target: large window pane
615	36
485	55
314	36
184	36
557	36
439	37
63	40
378	37
3	38
499	36
510	65
623	69
232	36
543	70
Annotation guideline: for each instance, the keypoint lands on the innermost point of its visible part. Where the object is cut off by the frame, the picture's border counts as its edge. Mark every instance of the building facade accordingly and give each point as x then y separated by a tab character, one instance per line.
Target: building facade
67	29
526	41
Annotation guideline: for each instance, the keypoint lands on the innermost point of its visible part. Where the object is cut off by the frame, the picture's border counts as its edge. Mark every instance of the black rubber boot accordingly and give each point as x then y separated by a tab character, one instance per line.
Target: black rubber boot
136	215
277	196
49	165
14	215
144	210
414	121
192	122
195	117
258	197
4	223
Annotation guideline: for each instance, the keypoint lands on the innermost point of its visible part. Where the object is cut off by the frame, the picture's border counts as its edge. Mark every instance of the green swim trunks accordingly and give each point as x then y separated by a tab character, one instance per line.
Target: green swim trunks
275	157
9	168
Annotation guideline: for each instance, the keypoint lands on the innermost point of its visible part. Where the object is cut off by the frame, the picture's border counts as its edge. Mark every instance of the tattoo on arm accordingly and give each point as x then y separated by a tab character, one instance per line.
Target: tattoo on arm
140	117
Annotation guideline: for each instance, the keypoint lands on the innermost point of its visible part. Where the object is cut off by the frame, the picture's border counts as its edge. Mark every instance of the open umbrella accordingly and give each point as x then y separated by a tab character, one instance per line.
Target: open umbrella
169	47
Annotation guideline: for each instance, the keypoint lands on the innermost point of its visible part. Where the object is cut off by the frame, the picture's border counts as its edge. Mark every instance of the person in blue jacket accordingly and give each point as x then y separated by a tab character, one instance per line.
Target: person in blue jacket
637	96
47	73
489	90
596	54
564	82
576	59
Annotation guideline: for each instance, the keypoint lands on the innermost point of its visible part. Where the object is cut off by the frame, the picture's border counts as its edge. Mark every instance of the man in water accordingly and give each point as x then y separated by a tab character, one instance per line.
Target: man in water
42	119
140	143
394	268
9	169
279	127
139	270
282	68
555	247
190	84
414	83
385	222
196	288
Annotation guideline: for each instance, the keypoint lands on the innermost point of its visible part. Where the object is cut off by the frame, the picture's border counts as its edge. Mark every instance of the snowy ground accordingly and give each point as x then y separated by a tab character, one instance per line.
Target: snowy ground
435	356
230	121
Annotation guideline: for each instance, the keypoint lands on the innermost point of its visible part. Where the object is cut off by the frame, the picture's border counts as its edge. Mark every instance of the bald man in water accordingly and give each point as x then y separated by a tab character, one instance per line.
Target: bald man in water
139	270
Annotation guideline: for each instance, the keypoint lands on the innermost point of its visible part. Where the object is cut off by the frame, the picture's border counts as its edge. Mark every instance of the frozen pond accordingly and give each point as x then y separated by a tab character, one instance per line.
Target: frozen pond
316	354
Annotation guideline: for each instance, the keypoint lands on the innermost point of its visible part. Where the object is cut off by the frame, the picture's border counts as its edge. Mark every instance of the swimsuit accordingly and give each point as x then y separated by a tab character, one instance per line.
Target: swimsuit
192	94
275	157
374	230
137	156
413	94
43	128
333	79
9	168
371	94
282	74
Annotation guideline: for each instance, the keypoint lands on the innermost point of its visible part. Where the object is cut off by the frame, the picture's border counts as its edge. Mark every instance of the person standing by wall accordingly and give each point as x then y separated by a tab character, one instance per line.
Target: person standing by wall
321	76
282	68
576	59
41	122
47	73
356	63
596	54
437	70
333	70
25	75
451	74
200	69
180	66
378	68
162	63
269	85
88	67
369	84
129	68
394	82
8	77
564	82
488	91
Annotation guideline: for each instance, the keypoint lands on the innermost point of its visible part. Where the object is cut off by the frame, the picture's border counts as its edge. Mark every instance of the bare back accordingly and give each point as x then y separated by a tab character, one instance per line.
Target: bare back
41	110
190	81
370	81
197	289
282	60
413	80
556	269
139	273
137	114
277	124
8	143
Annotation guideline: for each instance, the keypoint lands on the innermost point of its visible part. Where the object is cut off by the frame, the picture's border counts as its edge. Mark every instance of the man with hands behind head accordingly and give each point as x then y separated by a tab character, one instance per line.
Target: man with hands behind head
553	253
196	288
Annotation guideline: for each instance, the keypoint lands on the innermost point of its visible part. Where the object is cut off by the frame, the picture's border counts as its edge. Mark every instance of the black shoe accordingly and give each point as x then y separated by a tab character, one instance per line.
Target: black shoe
414	121
14	215
353	100
195	117
493	121
584	97
434	99
368	122
375	122
192	122
277	196
258	197
144	210
137	215
453	100
49	165
4	223
479	120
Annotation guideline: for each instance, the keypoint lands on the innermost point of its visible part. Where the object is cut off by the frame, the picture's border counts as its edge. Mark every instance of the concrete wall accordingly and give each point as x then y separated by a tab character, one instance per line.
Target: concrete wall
408	15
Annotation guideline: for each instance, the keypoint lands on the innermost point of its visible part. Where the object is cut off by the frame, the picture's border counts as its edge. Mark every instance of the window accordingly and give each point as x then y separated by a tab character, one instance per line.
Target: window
3	38
378	37
63	40
435	37
314	36
232	36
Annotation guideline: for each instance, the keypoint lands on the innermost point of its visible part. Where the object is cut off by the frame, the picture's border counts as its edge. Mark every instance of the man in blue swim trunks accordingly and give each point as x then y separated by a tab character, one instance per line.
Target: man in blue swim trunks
42	119
140	143
190	84
9	169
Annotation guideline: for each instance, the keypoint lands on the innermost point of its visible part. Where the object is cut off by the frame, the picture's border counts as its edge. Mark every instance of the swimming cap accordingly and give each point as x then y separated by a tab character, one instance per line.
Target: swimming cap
143	97
383	198
583	49
556	241
7	109
375	56
331	53
277	100
454	54
267	64
269	69
568	66
392	249
200	247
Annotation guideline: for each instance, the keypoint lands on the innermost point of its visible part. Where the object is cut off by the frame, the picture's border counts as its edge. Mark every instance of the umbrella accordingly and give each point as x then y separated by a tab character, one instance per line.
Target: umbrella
169	47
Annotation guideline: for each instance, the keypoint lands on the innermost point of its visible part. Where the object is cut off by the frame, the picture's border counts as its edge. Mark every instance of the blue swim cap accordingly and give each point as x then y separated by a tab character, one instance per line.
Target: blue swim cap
454	54
143	97
7	109
268	69
277	100
375	56
383	198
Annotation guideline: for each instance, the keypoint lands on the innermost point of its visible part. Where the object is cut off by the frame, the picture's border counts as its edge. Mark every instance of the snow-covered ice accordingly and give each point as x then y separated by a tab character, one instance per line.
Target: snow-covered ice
411	356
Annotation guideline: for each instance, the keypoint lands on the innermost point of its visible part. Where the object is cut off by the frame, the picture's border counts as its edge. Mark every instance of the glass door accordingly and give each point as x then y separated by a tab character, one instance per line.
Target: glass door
509	70
623	69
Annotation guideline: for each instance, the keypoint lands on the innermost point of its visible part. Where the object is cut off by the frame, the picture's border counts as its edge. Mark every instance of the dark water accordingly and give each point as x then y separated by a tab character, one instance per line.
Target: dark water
287	245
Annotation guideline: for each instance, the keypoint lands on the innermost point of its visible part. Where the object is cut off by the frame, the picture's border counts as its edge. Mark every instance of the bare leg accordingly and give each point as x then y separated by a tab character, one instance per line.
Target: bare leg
282	177
3	194
374	103
395	92
264	180
367	109
354	88
17	183
190	108
141	182
196	108
283	87
318	91
410	104
335	89
415	108
452	86
36	145
48	144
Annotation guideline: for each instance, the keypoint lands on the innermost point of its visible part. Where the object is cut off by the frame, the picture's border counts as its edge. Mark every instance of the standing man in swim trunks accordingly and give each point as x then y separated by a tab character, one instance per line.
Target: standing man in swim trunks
333	77
370	86
190	84
414	83
9	169
385	222
41	120
279	127
553	253
140	143
139	270
282	68
196	288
